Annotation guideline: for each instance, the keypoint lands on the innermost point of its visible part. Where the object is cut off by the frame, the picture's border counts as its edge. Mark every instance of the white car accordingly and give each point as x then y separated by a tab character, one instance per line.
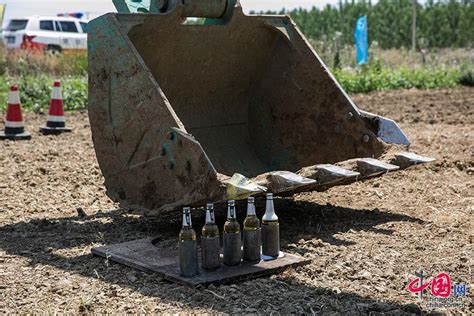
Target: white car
52	34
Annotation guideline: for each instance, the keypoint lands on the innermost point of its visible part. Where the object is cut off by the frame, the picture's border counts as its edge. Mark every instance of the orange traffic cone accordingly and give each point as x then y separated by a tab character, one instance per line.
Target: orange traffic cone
14	127
56	123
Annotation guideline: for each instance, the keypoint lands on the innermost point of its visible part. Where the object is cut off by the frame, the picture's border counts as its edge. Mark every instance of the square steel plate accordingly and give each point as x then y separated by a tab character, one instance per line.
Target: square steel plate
148	256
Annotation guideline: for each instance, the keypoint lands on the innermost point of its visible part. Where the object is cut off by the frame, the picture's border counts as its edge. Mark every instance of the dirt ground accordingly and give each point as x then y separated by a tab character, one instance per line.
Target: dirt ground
365	240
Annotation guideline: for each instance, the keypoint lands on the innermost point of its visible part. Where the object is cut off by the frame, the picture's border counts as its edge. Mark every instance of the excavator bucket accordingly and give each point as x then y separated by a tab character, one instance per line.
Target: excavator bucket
194	102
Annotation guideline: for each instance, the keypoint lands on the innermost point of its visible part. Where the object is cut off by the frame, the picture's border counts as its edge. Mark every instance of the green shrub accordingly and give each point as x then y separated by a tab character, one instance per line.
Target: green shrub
376	77
35	92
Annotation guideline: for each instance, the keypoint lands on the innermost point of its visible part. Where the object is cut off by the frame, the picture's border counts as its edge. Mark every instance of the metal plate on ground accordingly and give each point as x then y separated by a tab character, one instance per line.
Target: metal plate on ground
142	254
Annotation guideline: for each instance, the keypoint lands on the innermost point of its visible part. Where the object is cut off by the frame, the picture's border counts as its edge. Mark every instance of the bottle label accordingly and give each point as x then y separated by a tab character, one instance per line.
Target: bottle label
251	228
187	218
270	223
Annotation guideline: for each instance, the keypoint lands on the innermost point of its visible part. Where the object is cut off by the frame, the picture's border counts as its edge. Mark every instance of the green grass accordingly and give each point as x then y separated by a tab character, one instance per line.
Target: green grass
375	77
35	74
35	92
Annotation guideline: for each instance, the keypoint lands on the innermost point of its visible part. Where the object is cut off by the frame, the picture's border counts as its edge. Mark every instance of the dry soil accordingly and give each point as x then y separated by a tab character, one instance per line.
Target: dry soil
365	240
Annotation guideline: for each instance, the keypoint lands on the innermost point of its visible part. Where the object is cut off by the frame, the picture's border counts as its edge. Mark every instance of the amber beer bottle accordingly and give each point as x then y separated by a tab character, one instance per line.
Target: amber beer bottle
232	239
270	230
210	241
252	233
188	260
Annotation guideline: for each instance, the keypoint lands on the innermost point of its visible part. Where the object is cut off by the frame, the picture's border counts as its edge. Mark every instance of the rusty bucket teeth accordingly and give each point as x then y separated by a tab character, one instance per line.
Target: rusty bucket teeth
369	167
324	176
407	159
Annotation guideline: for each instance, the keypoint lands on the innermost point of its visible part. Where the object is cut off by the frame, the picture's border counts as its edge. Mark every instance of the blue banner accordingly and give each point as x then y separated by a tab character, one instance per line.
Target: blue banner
361	39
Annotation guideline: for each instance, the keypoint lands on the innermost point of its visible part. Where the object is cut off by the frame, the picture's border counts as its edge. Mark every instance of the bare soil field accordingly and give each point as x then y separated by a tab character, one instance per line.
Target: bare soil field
365	241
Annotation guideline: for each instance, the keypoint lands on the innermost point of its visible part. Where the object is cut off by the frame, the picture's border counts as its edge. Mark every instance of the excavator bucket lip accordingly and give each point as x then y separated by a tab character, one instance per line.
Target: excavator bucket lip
324	176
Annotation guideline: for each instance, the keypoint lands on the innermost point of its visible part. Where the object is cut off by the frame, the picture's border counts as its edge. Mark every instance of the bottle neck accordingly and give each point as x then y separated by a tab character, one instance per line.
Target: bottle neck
270	214
231	213
250	209
210	216
186	219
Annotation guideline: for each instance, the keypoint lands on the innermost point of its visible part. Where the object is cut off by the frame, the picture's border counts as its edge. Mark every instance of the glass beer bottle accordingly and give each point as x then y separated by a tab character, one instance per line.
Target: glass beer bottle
270	230
252	233
210	241
188	260
232	238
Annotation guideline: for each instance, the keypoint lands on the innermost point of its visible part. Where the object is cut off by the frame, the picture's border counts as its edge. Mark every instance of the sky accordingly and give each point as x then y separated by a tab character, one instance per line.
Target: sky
20	8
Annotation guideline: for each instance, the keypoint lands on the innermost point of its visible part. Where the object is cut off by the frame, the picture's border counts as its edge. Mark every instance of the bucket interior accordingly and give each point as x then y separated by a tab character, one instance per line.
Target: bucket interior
242	91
